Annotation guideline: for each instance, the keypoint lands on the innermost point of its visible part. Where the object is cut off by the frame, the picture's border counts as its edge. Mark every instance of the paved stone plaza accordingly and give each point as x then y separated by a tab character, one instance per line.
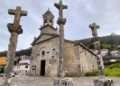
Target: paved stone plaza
44	81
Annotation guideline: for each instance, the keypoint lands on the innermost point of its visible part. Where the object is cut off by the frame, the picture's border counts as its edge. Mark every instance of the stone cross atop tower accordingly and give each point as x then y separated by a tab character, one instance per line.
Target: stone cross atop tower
48	18
61	22
14	29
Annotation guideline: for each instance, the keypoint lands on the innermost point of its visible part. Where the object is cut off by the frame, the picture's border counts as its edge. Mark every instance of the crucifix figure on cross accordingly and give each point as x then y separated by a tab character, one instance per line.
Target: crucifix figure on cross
14	29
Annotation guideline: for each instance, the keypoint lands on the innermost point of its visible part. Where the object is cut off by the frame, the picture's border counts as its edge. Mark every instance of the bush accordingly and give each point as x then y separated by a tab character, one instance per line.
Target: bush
113	70
105	46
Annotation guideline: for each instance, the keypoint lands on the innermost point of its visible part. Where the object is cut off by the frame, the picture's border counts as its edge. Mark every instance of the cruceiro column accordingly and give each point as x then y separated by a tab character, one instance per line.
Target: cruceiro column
101	81
61	22
96	43
61	81
14	29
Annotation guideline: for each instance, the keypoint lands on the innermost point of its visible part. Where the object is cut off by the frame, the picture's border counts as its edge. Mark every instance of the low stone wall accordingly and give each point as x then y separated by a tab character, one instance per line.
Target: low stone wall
45	81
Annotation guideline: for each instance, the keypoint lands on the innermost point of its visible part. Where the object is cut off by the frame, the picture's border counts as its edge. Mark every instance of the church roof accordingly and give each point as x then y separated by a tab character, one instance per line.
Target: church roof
44	26
85	47
82	45
36	39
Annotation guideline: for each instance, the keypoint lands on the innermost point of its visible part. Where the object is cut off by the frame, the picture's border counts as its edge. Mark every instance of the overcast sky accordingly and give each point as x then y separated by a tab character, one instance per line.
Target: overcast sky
80	14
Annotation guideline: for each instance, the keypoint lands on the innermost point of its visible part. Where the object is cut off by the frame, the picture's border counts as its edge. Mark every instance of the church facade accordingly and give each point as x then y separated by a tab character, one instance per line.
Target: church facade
78	59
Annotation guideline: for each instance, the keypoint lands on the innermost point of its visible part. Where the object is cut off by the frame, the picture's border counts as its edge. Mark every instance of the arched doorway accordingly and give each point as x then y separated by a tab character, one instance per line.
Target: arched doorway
42	65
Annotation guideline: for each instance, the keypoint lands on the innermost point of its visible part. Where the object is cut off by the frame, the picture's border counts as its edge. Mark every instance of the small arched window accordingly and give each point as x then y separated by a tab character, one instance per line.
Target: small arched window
45	21
53	49
43	53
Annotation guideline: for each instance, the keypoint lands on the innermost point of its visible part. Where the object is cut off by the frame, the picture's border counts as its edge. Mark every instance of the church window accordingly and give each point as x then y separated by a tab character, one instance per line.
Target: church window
33	67
48	52
43	53
26	66
51	20
53	49
45	20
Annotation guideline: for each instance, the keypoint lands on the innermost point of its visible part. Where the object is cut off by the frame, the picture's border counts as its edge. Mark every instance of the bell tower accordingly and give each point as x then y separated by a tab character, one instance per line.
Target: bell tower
48	18
48	23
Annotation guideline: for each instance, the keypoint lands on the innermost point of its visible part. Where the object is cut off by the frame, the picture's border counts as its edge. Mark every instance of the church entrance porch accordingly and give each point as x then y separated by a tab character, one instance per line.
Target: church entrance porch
43	64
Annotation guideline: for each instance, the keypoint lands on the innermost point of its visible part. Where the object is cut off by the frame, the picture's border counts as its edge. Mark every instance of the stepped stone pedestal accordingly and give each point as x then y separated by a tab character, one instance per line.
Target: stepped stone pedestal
63	82
103	82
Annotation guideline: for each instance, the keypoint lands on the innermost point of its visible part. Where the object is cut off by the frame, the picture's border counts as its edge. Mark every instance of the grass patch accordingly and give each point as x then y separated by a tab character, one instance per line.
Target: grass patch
113	70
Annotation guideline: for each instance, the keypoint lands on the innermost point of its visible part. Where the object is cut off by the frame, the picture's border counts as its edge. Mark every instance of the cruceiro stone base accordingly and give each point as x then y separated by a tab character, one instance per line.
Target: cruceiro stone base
63	82
103	82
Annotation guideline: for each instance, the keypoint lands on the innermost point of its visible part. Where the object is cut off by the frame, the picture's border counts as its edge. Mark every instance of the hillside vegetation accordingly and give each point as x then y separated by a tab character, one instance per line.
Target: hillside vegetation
107	42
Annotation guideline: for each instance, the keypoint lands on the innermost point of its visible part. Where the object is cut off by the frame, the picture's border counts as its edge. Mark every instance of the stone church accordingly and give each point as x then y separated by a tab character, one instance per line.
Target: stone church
78	59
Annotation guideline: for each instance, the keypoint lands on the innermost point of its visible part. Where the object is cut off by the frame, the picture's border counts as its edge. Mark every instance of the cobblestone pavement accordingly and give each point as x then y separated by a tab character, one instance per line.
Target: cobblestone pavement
45	81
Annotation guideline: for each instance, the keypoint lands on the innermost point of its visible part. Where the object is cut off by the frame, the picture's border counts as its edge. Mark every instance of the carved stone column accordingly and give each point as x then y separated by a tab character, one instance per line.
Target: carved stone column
101	81
14	29
61	81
